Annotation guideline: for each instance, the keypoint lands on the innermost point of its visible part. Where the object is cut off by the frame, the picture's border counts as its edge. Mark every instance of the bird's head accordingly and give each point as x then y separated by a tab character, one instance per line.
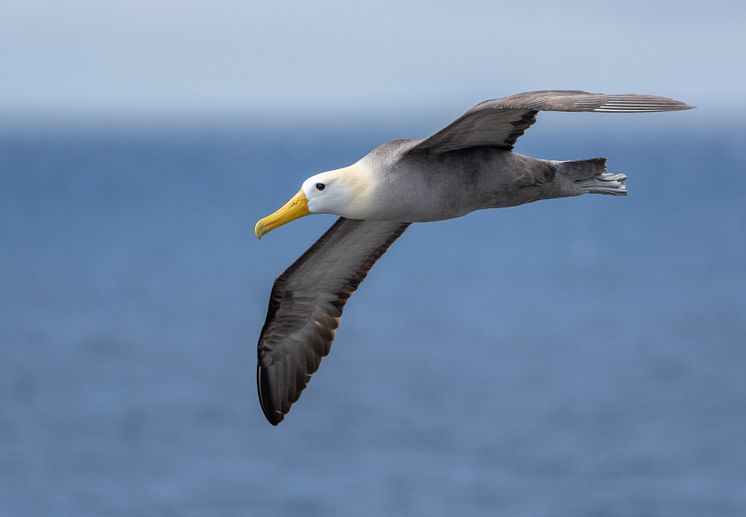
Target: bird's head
342	192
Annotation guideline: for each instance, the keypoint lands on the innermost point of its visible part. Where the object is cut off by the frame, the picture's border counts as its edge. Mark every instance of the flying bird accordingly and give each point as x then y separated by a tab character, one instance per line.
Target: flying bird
468	165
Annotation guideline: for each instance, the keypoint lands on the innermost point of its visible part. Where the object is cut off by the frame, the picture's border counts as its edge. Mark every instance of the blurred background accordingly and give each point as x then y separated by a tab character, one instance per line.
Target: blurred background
571	357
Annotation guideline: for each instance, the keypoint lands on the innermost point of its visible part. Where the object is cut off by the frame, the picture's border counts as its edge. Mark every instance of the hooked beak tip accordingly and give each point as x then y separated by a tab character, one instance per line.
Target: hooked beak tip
259	230
293	209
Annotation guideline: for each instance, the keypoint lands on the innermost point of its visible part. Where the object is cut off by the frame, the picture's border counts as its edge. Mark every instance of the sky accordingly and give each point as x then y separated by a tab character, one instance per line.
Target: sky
240	58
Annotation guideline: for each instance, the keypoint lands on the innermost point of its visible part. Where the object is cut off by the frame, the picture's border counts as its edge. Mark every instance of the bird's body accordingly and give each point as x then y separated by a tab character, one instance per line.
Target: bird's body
457	182
468	165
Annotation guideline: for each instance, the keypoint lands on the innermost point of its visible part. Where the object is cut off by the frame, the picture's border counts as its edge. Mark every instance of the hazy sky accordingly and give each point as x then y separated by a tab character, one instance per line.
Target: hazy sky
236	56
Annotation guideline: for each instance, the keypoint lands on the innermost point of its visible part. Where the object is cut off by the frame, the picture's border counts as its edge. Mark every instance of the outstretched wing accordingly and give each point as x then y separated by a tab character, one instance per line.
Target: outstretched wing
306	304
500	122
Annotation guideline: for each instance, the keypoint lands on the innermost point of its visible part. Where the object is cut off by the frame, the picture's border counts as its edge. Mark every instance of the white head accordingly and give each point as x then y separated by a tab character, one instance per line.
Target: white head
343	192
330	192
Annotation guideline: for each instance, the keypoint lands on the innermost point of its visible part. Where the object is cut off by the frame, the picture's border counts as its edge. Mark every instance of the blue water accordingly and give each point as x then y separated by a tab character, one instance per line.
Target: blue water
583	356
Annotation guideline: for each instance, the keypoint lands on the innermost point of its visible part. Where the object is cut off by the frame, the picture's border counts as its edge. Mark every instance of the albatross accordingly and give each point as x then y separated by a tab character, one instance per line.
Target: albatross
468	165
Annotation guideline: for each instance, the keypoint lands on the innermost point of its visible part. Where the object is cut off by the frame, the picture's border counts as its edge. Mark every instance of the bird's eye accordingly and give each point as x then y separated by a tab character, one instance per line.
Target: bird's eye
320	186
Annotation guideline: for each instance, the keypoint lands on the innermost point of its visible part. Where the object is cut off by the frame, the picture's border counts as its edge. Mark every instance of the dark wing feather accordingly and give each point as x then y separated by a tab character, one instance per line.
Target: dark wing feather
500	122
306	304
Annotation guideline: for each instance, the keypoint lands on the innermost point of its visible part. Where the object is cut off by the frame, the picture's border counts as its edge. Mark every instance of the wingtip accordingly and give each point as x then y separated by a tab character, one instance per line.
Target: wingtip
682	105
273	416
274	422
641	103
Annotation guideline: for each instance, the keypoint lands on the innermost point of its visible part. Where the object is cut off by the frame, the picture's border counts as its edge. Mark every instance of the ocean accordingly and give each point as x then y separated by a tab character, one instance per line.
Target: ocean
573	357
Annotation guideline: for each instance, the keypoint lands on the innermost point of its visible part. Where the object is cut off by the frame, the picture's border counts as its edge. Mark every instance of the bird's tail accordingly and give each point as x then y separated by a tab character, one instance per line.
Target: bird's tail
590	176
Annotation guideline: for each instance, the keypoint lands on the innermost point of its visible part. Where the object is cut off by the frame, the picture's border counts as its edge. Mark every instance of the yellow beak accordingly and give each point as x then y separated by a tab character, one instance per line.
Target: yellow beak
293	209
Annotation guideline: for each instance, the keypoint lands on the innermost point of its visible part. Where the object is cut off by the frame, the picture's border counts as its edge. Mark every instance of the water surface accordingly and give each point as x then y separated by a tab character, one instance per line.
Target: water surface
571	357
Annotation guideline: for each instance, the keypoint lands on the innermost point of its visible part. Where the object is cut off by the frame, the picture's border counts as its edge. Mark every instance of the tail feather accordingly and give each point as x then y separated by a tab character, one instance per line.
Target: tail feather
605	183
590	176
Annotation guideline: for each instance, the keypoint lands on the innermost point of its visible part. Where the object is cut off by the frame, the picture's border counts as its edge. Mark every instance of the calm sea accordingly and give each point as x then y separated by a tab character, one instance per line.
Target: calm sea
572	357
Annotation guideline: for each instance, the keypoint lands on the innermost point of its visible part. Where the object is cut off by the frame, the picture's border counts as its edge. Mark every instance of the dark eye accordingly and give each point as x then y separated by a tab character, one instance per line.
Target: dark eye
320	186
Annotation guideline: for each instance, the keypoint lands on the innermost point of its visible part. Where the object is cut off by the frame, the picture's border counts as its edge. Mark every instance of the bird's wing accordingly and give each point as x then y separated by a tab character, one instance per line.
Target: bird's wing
306	304
500	122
